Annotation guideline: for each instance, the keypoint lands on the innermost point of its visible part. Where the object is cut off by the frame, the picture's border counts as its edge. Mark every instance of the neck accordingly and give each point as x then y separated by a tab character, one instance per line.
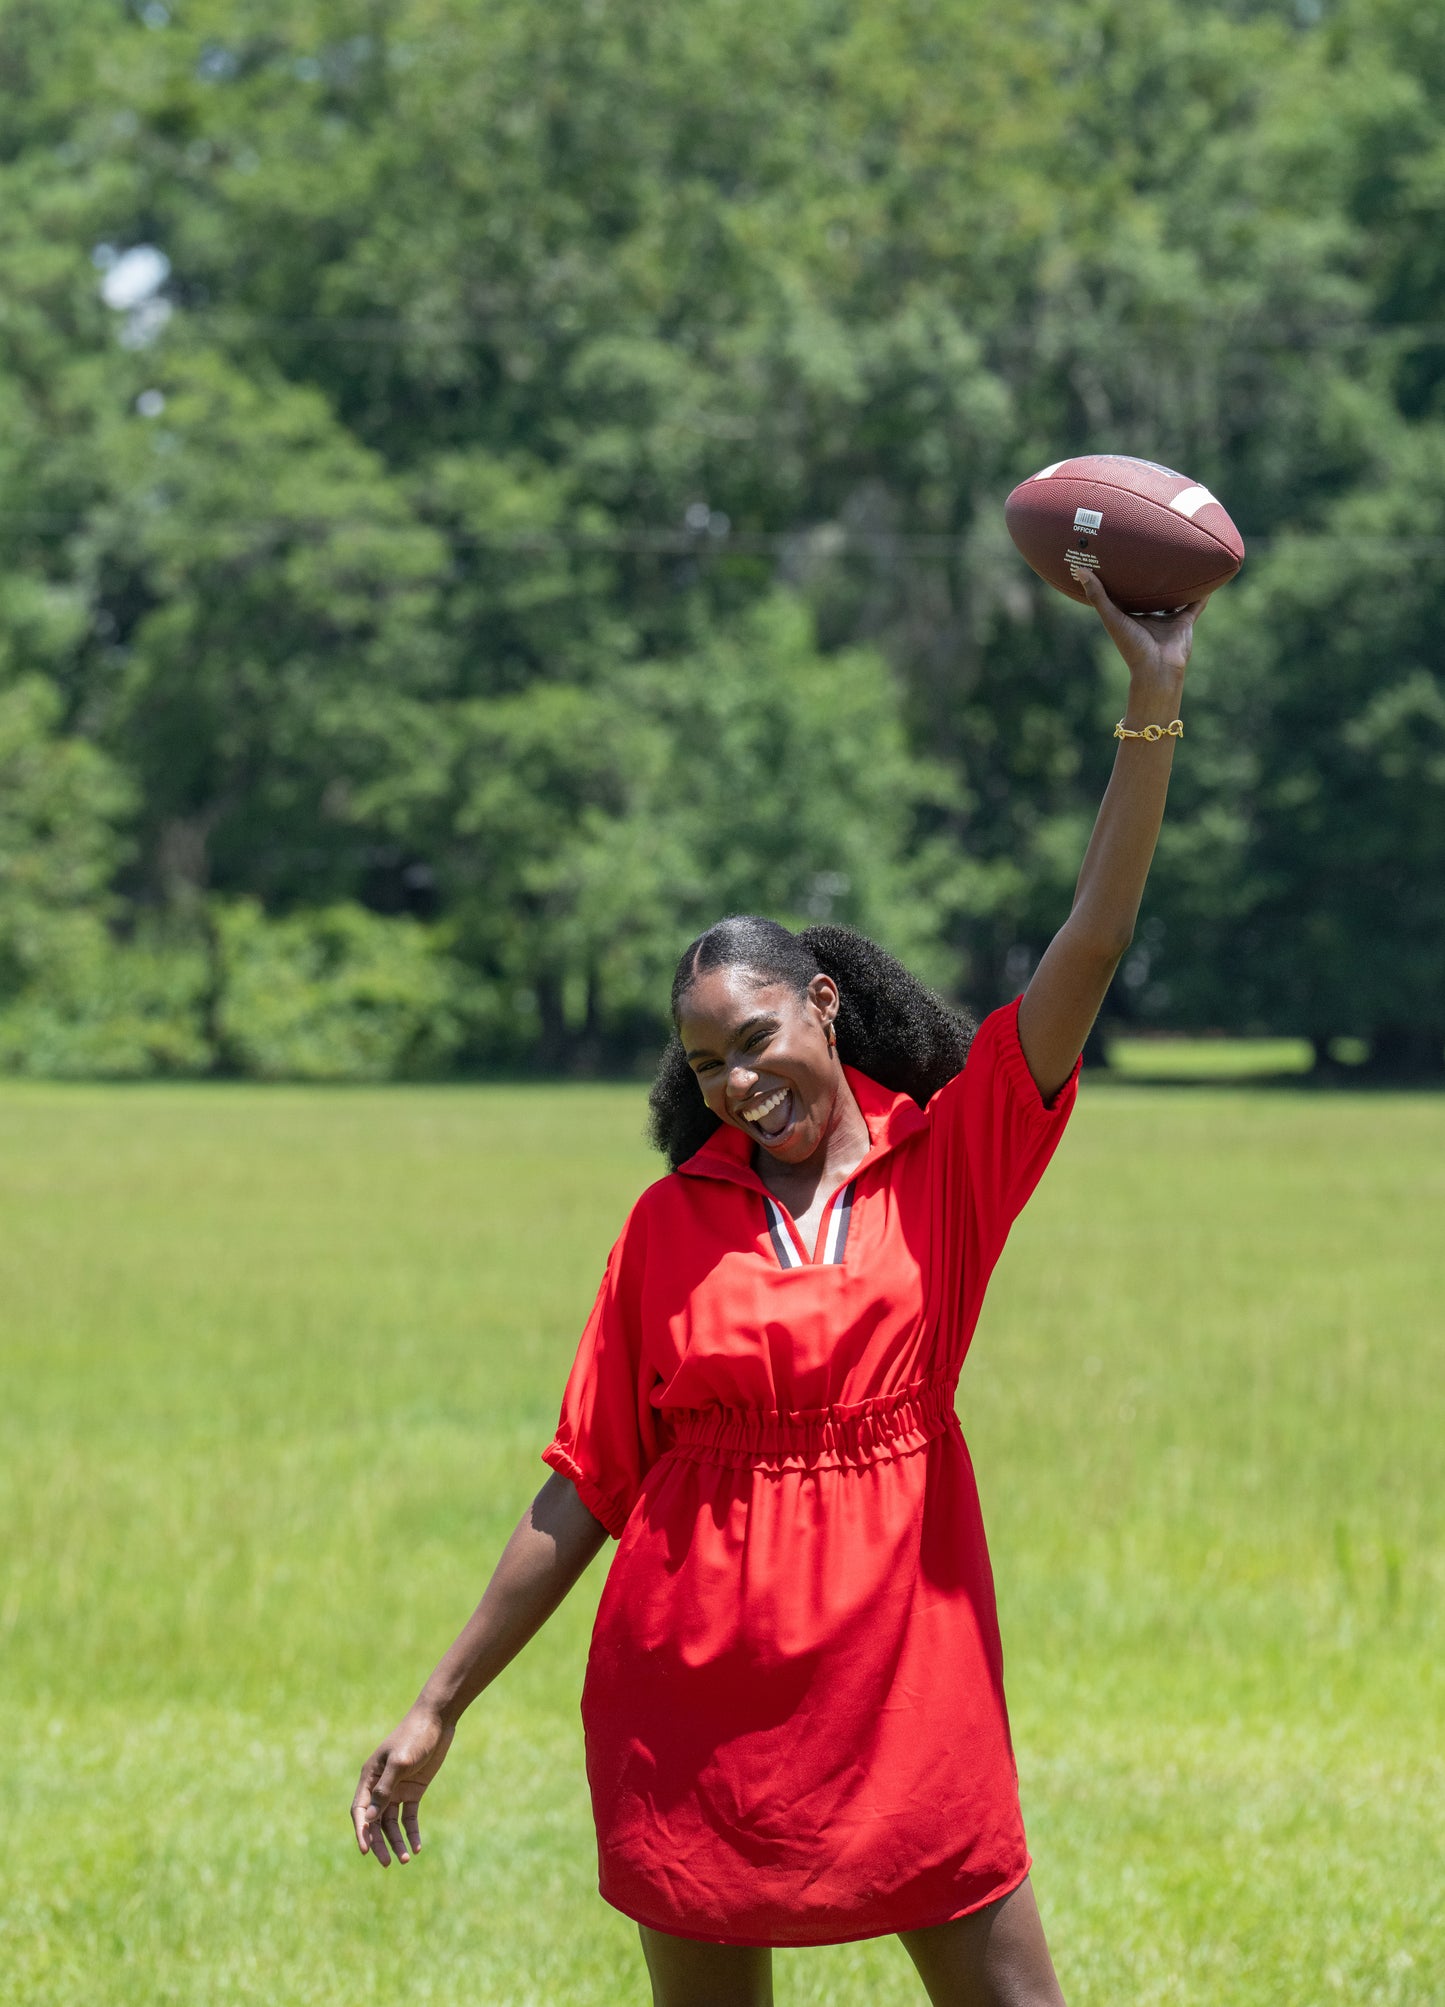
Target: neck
845	1144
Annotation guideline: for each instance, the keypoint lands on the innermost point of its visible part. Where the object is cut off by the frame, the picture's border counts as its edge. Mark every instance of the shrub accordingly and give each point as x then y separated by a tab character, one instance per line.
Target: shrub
336	994
92	1008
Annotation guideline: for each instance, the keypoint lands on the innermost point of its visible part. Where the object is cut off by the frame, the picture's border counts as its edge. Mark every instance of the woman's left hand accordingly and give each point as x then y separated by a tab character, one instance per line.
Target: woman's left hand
1068	986
1156	651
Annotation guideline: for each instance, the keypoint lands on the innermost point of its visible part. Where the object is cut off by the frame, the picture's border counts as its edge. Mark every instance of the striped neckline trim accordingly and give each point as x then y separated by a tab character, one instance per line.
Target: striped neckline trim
835	1235
836	1238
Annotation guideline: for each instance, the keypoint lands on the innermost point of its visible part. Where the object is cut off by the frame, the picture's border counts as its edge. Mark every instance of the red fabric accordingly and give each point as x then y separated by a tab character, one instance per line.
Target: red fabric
794	1708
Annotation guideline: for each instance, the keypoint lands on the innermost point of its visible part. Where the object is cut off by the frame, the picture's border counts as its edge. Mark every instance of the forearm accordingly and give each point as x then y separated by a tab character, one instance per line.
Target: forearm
553	1542
1068	986
1121	848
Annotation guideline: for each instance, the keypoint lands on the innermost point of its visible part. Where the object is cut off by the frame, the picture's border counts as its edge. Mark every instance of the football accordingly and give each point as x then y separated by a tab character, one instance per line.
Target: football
1156	539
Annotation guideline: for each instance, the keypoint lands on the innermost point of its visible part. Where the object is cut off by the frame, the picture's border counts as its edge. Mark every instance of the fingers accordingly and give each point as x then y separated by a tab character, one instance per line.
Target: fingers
391	1826
1121	627
1146	641
384	1811
361	1802
1090	584
370	1836
377	1841
374	1814
1092	587
1180	622
377	1832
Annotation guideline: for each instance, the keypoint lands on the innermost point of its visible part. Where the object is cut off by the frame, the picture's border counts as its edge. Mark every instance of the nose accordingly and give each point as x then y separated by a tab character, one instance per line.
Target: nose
741	1080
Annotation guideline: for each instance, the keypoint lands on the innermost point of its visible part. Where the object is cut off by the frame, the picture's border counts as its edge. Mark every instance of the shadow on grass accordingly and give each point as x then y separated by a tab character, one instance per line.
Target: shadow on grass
1342	1080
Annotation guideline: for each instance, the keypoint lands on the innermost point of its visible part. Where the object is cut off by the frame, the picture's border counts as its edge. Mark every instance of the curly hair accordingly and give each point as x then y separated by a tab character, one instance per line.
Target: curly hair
888	1025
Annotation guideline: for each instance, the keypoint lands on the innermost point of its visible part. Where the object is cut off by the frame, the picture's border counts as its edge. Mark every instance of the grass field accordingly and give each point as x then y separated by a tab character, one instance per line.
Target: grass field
1211	1060
276	1368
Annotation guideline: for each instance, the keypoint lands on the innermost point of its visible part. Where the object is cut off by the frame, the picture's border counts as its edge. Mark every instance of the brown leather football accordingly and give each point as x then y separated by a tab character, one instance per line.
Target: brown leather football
1156	539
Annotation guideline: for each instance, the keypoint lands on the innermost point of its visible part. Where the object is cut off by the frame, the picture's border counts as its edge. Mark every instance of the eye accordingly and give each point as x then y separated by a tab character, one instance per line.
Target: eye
758	1040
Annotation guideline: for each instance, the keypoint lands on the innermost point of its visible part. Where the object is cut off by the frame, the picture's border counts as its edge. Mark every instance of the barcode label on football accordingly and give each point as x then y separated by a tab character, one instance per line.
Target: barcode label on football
1088	519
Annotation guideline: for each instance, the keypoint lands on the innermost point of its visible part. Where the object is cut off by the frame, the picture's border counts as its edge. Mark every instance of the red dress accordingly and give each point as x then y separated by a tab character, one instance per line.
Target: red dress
794	1705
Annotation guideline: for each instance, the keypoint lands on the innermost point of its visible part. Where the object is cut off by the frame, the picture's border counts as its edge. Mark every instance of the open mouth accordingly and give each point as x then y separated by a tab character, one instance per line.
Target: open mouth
772	1117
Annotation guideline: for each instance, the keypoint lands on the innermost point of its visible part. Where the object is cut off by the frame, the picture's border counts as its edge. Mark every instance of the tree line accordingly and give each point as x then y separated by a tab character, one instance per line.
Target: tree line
485	491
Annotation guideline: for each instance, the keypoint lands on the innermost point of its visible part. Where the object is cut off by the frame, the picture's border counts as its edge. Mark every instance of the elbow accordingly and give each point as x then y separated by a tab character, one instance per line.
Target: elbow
1105	946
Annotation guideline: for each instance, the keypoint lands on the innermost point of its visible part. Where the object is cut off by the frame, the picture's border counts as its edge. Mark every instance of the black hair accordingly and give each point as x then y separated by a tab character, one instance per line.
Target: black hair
888	1025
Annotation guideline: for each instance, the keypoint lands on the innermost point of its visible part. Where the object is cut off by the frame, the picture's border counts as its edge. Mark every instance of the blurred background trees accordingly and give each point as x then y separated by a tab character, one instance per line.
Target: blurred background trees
484	491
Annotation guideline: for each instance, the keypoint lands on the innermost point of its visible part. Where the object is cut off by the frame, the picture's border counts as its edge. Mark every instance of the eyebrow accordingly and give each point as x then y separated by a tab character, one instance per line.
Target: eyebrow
751	1024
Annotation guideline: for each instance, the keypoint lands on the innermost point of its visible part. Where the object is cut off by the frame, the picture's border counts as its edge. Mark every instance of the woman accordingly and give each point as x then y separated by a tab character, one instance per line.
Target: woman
794	1708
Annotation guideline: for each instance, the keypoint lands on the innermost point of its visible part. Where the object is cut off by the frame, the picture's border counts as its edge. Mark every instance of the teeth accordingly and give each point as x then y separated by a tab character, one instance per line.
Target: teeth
765	1107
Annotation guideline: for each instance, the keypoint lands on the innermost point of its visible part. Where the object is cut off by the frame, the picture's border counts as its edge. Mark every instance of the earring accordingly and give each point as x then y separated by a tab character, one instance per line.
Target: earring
832	1037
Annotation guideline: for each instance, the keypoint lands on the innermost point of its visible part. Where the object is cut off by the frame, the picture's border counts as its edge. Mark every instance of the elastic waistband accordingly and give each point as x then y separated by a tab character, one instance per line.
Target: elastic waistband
863	1433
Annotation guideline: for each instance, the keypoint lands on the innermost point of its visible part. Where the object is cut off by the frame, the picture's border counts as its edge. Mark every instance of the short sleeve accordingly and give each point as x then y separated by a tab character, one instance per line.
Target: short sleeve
993	1136
607	1435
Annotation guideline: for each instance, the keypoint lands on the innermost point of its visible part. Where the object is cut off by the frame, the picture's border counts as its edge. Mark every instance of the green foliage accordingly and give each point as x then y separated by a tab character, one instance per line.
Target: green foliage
60	804
334	994
70	1001
94	1008
1326	710
583	832
282	637
514	365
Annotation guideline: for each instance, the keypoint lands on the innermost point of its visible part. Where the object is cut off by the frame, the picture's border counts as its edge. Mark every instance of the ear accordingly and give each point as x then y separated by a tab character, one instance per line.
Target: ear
823	1000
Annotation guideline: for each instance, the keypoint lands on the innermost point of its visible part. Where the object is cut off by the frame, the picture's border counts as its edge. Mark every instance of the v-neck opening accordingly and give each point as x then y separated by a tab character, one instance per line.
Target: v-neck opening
830	1243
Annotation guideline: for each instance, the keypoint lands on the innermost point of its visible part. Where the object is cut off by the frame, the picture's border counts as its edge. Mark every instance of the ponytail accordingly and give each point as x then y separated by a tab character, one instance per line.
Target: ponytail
888	1025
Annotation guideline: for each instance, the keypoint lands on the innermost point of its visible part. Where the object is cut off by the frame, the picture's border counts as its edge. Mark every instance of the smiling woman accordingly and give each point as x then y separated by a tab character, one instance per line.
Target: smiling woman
794	1707
794	1711
890	1026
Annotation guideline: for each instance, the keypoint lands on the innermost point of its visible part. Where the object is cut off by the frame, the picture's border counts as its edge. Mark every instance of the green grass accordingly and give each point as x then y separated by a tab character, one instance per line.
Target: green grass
1211	1059
276	1368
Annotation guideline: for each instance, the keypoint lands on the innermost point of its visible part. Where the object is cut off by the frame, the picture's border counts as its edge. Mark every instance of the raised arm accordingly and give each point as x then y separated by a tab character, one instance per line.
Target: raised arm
553	1542
1069	984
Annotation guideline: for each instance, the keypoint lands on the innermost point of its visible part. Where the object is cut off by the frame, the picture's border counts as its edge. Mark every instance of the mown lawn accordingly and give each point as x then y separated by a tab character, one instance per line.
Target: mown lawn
276	1368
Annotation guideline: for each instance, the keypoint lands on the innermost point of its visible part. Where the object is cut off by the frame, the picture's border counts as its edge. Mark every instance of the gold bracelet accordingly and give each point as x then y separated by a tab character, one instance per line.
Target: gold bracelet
1151	732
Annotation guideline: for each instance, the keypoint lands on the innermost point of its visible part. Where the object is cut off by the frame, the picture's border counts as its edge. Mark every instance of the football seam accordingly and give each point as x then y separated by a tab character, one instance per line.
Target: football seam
1119	489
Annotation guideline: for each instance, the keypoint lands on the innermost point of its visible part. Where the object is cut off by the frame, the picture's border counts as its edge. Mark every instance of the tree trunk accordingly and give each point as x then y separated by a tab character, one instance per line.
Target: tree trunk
554	1042
222	1060
182	860
589	1052
1407	1052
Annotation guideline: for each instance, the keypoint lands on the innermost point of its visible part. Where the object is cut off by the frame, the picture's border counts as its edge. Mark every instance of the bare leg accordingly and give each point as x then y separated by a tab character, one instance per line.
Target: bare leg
995	1958
685	1973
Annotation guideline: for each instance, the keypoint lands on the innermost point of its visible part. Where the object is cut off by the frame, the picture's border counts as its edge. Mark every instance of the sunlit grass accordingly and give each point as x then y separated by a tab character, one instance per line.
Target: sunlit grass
1208	1058
277	1365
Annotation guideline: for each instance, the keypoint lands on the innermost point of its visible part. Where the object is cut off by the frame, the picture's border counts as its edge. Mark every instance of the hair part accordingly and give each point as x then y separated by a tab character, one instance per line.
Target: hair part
888	1026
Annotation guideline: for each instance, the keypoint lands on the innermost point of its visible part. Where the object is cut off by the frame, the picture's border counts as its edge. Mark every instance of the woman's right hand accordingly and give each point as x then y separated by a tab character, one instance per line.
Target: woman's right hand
393	1778
553	1542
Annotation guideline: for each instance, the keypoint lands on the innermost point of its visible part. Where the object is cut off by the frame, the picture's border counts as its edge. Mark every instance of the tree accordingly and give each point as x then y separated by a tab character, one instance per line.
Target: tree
470	389
583	832
1328	704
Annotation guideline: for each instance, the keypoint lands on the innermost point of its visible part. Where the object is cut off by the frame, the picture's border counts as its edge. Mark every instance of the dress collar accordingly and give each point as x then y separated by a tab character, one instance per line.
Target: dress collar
891	1119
